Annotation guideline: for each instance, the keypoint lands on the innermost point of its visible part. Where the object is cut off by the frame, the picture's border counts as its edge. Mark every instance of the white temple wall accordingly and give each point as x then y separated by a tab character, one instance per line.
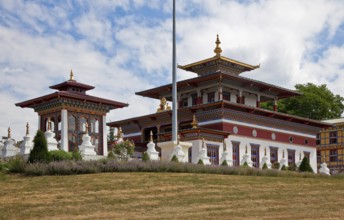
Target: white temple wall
251	100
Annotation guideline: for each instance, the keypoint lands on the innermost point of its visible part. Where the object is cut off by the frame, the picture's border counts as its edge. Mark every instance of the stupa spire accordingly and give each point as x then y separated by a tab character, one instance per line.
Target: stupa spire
9	133
218	49
71	75
27	128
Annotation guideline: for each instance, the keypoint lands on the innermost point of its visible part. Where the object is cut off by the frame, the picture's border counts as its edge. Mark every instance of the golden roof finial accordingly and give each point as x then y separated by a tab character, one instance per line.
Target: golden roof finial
218	49
27	128
9	133
71	75
151	136
194	122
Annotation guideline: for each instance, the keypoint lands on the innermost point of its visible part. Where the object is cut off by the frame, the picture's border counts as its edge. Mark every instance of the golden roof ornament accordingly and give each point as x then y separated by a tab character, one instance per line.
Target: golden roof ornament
9	133
218	49
163	106
27	129
71	75
194	123
151	137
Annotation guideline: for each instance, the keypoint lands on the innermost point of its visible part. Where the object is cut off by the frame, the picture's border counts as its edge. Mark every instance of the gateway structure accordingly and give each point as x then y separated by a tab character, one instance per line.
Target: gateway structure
219	110
70	113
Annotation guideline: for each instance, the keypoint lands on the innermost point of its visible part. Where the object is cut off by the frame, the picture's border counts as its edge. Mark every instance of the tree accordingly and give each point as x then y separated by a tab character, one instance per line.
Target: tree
39	152
224	163
265	166
316	102
305	166
124	149
174	159
200	162
111	135
145	157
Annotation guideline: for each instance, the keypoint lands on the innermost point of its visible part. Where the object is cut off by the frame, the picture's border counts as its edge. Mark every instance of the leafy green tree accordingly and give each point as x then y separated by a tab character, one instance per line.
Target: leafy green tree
145	157
317	102
39	152
124	149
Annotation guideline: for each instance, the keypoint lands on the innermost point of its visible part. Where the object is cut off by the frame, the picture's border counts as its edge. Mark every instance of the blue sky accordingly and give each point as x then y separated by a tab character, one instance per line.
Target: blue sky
124	46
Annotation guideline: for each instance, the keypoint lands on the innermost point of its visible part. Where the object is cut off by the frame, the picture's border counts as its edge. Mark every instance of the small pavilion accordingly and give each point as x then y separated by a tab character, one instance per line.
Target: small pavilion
70	110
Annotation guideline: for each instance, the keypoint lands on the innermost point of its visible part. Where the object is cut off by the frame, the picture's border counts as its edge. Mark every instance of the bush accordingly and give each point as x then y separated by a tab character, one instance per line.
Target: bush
200	162
284	168
76	155
305	166
60	155
276	166
39	152
111	155
174	159
13	165
265	166
145	157
224	163
292	167
124	149
245	165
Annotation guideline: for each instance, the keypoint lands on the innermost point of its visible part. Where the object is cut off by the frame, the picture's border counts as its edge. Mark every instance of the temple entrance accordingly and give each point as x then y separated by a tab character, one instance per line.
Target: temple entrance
255	155
236	160
213	154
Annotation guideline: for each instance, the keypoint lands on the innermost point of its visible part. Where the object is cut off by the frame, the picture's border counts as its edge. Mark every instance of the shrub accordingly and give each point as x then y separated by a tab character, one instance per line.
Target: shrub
292	167
60	155
145	157
276	166
111	155
39	152
174	159
200	162
76	155
124	149
284	168
245	165
265	166
13	165
224	163
305	166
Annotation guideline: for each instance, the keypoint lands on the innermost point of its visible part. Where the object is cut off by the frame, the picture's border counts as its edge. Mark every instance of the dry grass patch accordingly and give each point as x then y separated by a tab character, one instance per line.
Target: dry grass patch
170	196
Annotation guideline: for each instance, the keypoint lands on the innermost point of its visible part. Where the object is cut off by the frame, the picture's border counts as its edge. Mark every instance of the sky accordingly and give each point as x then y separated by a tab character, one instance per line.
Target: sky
125	46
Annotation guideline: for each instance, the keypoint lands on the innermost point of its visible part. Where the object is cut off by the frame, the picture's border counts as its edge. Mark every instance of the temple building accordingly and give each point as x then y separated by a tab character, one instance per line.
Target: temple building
70	111
220	109
330	145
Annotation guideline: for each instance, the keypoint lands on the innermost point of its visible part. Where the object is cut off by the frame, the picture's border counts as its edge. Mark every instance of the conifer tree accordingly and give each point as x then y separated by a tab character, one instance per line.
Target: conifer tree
224	163
200	162
305	166
145	157
39	152
174	159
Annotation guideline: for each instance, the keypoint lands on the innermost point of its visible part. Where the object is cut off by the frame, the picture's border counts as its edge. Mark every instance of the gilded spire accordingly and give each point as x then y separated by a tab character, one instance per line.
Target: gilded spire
27	129
71	75
9	133
218	49
151	137
203	143
194	122
86	128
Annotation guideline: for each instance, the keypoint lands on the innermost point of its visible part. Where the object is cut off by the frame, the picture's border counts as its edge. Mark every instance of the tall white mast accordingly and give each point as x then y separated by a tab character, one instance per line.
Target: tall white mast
174	80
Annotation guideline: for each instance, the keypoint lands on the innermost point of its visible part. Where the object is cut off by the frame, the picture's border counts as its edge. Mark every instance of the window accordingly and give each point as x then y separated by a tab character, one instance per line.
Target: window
333	137
318	139
226	96
291	139
213	154
334	155
82	125
273	155
236	159
255	155
71	123
190	154
291	157
194	99
185	102
319	156
211	97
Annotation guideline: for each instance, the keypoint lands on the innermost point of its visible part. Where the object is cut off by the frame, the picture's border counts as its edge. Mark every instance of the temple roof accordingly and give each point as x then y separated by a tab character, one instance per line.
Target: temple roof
71	83
218	63
243	81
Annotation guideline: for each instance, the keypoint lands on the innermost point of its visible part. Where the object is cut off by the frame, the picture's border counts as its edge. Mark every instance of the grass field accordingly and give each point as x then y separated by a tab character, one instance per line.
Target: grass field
170	196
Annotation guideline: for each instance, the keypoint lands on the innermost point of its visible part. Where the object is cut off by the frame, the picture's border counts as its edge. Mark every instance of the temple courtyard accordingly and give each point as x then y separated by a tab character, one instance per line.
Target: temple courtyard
170	196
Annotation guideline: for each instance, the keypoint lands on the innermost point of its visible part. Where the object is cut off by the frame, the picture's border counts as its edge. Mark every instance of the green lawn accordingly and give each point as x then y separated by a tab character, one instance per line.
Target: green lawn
170	196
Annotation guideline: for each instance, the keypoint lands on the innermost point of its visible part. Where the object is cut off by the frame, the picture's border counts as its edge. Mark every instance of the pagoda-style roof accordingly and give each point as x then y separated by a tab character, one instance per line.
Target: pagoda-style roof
243	81
218	63
71	89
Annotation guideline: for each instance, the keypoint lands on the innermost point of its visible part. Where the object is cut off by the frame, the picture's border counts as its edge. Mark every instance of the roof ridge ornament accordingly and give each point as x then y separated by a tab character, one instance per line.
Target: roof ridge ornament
217	49
71	75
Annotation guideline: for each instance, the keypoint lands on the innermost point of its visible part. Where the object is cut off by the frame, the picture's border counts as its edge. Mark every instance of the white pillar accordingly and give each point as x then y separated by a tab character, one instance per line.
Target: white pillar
64	130
105	144
39	123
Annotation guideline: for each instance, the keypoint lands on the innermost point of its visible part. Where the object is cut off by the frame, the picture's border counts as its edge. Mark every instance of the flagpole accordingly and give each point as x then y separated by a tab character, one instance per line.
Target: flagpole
174	80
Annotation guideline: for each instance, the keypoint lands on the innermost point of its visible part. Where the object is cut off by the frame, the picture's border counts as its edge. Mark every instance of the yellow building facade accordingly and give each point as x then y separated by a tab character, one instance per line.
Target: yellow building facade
330	145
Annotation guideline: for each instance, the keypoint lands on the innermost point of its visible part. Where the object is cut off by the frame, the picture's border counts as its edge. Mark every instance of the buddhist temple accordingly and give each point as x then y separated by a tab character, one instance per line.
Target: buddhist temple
219	109
69	111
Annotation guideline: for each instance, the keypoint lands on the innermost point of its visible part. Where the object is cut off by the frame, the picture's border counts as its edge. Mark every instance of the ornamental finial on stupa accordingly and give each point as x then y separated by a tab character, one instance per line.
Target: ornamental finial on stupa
120	133
86	128
27	129
218	49
224	145
151	137
194	122
71	75
203	143
49	124
9	133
